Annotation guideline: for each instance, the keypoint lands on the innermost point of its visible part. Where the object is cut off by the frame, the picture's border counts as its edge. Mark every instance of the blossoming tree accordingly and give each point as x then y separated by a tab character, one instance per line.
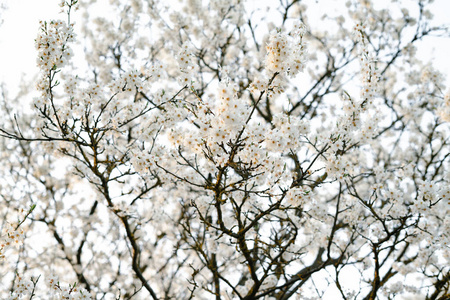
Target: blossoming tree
214	150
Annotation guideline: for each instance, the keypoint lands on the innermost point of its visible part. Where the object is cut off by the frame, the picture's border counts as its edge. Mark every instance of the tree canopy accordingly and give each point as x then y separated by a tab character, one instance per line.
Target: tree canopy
228	150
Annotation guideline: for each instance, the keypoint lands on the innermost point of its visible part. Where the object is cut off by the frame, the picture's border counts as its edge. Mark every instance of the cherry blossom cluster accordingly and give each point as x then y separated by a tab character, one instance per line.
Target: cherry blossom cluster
12	236
430	193
156	71
286	52
68	3
444	111
298	196
273	88
186	65
143	162
54	52
232	112
287	134
22	288
369	73
72	292
52	45
359	122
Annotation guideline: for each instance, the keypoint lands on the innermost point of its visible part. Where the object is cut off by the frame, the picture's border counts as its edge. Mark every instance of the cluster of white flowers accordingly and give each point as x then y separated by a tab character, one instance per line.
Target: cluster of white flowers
444	111
298	196
71	292
52	45
444	192
54	52
128	82
275	87
287	134
286	52
231	111
359	122
70	85
278	54
428	193
432	81
143	162
22	287
68	3
186	65
12	236
156	71
369	73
